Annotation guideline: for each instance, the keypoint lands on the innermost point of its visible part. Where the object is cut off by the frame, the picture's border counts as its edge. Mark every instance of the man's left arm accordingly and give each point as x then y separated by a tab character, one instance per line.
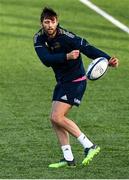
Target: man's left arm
93	53
90	51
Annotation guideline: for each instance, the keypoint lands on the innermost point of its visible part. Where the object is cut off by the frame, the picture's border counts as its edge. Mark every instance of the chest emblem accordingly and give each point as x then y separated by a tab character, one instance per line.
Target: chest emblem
57	45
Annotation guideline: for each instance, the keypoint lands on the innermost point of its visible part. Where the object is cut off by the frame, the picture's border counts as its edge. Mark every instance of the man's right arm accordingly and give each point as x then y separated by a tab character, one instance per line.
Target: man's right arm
45	55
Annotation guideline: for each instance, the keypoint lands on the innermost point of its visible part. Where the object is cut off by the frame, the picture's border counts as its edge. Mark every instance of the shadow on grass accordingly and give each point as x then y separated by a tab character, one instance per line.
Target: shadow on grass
22	25
19	16
23	3
11	35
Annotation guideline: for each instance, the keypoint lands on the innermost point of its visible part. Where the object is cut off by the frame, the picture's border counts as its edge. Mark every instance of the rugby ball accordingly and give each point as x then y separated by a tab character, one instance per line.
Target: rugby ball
97	68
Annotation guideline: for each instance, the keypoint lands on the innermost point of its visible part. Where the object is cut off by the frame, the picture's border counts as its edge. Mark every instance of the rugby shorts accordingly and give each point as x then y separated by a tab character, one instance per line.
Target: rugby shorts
70	93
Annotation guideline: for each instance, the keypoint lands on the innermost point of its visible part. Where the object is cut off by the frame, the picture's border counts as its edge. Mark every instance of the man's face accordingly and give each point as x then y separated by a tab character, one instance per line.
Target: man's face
49	25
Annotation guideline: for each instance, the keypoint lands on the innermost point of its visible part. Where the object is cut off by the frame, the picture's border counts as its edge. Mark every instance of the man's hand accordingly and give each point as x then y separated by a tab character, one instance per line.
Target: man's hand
73	55
113	62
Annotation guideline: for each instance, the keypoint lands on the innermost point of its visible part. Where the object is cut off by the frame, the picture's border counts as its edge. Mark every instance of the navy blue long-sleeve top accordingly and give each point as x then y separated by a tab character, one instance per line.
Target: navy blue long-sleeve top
52	52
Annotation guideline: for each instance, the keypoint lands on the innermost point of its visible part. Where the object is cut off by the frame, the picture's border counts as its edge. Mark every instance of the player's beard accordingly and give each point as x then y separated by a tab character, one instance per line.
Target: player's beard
51	32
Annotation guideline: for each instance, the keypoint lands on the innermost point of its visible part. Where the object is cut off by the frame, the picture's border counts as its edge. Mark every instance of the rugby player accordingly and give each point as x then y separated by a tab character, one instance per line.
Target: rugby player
61	50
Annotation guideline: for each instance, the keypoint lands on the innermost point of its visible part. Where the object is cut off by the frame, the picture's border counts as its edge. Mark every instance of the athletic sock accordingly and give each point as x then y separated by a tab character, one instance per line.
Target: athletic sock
84	141
67	152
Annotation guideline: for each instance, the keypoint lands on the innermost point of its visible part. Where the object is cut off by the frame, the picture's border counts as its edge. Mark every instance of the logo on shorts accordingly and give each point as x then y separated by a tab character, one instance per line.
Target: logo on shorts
77	101
64	97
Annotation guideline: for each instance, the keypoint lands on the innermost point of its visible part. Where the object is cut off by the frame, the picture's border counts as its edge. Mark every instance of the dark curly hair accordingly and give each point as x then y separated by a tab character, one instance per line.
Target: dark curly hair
47	13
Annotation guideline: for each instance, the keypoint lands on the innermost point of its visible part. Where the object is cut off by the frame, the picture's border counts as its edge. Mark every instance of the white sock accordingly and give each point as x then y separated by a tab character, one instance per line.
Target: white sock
68	155
84	141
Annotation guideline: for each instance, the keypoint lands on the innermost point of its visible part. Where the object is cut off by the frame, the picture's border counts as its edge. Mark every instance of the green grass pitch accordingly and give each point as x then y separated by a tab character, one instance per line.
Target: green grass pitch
27	142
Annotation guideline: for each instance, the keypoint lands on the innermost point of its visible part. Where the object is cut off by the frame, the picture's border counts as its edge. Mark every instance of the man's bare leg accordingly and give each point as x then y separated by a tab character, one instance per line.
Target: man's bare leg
62	134
59	110
62	126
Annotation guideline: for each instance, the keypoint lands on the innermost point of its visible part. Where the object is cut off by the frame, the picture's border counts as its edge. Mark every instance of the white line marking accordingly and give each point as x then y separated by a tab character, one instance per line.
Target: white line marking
106	15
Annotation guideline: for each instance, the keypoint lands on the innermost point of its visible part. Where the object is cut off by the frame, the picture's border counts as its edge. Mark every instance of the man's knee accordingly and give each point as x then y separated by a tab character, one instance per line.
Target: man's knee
56	117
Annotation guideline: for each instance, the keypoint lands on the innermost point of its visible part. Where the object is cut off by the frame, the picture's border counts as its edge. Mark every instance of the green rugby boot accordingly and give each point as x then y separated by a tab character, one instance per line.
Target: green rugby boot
90	153
63	163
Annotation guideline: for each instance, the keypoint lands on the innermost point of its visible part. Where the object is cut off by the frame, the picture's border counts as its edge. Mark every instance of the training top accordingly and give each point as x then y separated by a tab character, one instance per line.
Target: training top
52	53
